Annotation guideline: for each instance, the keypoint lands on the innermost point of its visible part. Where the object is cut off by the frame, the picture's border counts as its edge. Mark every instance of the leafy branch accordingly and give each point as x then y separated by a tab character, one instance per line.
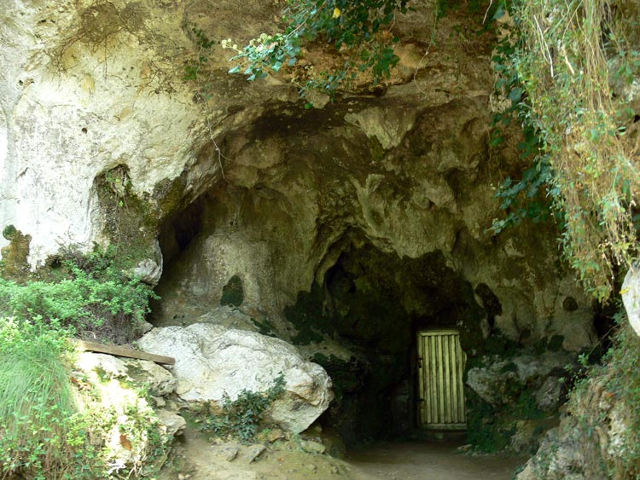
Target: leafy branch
357	28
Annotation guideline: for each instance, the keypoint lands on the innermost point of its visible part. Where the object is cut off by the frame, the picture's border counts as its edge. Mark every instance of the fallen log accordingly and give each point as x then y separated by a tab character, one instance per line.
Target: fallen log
119	351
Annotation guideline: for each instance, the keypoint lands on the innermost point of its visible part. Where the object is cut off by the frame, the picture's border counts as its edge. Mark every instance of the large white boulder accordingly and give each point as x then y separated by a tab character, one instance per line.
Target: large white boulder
631	297
213	362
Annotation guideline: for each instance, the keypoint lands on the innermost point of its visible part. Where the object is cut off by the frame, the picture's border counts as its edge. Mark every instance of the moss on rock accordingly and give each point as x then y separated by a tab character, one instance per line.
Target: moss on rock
233	292
14	264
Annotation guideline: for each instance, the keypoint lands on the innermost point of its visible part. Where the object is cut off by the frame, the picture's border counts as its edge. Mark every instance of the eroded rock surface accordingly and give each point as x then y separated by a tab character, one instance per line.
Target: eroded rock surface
102	139
126	424
588	445
492	382
92	85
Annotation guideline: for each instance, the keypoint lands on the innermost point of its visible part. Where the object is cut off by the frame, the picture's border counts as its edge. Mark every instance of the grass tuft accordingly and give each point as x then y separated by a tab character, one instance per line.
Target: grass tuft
37	408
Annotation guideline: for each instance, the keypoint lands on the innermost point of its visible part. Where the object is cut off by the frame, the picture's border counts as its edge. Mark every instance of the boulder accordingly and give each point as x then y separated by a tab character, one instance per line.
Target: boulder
550	395
148	271
173	424
631	297
494	380
213	363
489	382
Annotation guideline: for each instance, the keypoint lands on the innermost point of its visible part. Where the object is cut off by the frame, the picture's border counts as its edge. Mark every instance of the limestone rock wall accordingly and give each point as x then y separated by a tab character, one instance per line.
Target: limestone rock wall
597	436
88	86
239	179
304	186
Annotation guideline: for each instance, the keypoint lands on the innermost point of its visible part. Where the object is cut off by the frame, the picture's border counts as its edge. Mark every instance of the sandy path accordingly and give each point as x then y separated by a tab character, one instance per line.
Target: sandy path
424	461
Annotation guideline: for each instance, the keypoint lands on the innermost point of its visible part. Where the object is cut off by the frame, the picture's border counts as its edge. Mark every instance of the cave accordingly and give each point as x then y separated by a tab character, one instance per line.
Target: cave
372	304
355	228
351	240
360	317
376	303
395	233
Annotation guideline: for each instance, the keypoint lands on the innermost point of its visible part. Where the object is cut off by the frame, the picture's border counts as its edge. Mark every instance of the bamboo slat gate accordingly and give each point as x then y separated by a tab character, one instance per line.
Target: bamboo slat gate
441	367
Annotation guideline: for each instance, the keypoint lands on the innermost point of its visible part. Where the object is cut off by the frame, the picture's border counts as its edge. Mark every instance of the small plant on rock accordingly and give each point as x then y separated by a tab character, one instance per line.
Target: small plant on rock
241	418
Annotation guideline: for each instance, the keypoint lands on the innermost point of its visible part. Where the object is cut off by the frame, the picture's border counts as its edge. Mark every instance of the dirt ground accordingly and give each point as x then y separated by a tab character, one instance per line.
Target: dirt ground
429	461
198	458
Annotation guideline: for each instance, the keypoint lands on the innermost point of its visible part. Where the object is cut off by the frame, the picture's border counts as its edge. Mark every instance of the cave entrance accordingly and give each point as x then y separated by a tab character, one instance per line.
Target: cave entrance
441	361
364	323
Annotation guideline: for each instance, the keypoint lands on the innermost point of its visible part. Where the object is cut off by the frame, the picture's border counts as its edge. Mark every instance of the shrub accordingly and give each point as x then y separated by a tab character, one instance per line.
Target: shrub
88	292
360	28
242	417
42	435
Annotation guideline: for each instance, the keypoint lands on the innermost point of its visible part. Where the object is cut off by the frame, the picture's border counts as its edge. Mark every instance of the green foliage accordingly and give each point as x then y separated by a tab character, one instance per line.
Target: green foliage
242	417
525	198
557	70
358	28
41	435
9	232
529	196
193	68
491	429
86	291
484	431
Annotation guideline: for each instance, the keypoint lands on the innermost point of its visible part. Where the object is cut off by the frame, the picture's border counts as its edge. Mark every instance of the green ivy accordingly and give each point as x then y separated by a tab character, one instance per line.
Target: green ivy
525	198
194	67
530	196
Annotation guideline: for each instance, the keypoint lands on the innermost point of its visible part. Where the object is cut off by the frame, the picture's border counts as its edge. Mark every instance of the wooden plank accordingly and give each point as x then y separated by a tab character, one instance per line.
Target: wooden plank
426	392
433	387
463	360
455	358
119	351
439	388
446	387
450	379
421	372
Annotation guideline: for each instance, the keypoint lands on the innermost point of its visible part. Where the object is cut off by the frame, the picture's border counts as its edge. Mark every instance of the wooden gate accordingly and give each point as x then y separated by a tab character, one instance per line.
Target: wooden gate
440	367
